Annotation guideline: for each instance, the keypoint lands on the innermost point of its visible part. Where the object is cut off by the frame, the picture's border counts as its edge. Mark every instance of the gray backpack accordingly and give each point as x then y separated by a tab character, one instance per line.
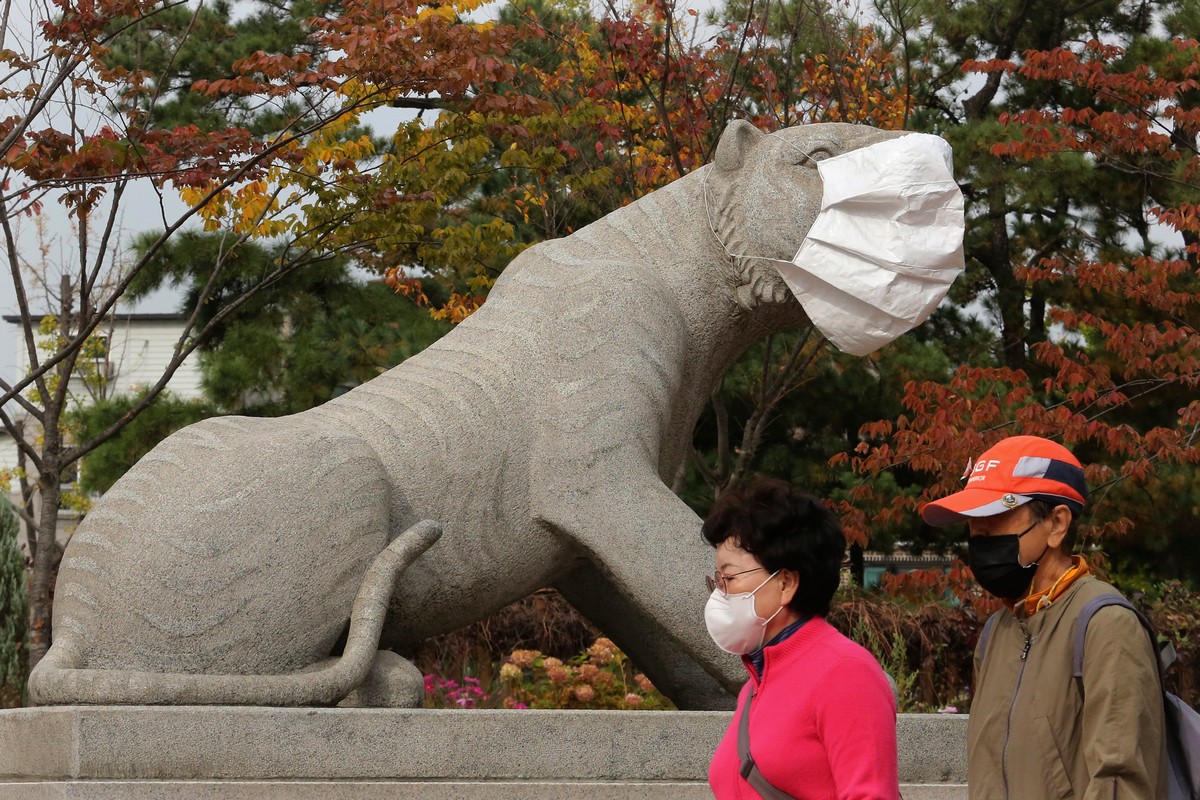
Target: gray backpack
1182	721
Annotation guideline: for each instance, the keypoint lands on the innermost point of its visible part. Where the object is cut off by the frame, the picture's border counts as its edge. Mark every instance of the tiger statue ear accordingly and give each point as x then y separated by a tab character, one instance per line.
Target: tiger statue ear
738	139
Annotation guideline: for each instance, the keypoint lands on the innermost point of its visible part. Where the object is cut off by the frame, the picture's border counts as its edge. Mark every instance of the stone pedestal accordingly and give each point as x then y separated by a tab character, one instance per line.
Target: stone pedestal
199	752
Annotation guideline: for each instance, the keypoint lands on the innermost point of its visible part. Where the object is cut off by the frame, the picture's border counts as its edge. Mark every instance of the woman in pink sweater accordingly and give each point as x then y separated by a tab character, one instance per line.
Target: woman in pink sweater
817	718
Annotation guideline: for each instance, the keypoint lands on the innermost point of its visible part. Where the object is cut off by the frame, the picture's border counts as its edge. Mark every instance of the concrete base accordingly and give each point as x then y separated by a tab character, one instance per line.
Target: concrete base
396	790
197	753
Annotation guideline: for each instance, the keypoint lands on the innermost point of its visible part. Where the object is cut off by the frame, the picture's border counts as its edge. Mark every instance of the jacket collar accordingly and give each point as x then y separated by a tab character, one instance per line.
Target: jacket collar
788	649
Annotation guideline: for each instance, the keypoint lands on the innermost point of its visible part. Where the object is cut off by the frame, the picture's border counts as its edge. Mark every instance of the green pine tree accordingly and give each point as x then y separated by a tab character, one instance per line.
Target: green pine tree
14	611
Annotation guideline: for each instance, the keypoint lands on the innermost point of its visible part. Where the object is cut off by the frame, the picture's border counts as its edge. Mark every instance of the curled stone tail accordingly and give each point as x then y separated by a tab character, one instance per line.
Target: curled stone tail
57	680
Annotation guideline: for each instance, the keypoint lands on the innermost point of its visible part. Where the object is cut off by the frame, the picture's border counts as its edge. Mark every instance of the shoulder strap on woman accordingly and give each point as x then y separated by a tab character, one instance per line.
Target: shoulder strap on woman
749	769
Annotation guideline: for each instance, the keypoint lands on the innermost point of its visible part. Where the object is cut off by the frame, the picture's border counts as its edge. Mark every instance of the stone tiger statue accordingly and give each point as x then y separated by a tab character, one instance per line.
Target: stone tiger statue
539	433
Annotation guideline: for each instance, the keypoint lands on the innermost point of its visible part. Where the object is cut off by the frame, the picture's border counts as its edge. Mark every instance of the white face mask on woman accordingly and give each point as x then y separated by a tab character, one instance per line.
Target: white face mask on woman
733	623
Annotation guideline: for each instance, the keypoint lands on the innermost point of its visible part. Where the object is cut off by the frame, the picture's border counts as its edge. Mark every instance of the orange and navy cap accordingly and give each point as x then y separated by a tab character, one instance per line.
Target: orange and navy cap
1013	472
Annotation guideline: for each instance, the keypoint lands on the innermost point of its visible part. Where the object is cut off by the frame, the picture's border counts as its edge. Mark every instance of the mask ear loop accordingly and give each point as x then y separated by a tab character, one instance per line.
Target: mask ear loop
782	604
708	216
1033	563
764	583
712	228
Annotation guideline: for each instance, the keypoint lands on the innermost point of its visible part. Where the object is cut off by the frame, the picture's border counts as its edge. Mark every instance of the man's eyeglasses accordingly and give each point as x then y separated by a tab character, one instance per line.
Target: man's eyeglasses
718	580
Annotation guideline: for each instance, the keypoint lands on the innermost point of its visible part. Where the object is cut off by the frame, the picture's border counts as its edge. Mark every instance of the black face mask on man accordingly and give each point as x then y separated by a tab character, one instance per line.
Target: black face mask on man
996	563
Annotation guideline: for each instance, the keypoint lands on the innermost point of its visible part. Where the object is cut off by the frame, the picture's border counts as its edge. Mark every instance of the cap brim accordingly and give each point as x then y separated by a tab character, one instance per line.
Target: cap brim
961	506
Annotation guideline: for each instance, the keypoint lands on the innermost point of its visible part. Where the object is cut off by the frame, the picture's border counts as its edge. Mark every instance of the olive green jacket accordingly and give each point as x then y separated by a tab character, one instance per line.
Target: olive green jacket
1034	733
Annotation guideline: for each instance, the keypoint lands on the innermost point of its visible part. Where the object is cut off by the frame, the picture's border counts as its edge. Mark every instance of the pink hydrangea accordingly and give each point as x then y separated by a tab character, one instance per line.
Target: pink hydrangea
523	658
588	673
603	651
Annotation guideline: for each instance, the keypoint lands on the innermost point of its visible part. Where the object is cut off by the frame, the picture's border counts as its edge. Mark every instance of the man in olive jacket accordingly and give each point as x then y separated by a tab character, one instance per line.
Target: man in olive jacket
1036	732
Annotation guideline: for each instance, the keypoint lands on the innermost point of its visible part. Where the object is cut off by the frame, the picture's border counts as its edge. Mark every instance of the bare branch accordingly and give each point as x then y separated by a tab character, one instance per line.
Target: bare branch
14	264
419	103
786	381
24	402
88	326
183	348
16	429
67	64
721	413
4	23
973	107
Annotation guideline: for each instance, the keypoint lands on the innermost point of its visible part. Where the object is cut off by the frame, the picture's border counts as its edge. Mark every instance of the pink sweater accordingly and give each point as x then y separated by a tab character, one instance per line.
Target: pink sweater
823	723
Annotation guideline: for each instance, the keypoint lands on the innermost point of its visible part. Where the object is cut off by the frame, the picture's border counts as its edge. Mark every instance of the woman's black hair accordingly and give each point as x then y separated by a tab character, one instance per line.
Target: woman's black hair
783	529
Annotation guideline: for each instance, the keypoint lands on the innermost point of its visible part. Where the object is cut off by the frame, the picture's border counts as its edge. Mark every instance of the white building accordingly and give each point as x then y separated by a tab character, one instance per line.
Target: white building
137	349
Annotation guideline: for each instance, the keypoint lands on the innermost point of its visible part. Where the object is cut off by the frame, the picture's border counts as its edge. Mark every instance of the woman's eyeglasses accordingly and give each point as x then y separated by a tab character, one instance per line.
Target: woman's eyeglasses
718	580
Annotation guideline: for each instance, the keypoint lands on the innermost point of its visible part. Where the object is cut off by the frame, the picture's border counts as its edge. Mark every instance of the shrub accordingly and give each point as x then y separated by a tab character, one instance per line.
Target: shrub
538	652
1175	610
14	611
922	627
543	621
926	647
448	693
599	677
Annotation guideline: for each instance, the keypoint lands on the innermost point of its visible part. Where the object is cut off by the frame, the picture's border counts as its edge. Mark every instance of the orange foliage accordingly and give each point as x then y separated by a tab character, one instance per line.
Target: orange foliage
620	106
1129	324
956	584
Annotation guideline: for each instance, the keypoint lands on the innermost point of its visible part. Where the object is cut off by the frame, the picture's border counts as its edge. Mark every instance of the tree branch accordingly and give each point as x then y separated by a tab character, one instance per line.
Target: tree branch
16	430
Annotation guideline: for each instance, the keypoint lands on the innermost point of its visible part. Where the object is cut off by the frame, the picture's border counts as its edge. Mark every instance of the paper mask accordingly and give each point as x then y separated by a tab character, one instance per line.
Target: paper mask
886	245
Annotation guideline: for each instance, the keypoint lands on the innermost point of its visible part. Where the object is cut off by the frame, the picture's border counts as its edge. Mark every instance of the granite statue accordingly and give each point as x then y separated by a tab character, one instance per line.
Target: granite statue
529	447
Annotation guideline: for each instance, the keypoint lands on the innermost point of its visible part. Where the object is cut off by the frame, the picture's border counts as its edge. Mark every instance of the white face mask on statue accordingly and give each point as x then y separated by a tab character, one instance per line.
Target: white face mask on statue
886	245
733	623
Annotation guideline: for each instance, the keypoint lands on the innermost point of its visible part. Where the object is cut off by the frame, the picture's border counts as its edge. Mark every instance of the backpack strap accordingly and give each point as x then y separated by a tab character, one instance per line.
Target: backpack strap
1182	735
1102	601
749	770
984	636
